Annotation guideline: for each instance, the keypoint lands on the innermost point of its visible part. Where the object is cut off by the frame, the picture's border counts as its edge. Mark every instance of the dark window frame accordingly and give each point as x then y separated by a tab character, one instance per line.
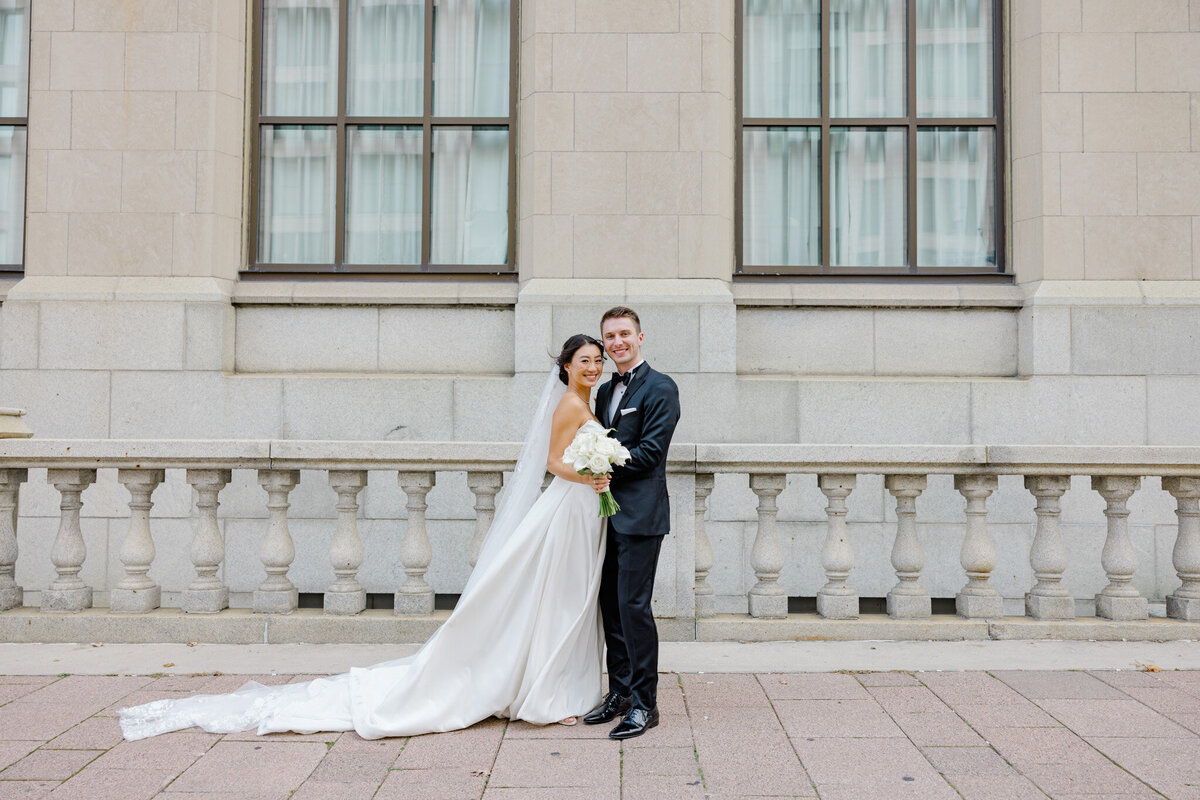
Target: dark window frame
22	122
340	122
911	123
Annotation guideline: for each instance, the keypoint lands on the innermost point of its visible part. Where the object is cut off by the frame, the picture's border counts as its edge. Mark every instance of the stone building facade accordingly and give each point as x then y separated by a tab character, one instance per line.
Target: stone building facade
137	312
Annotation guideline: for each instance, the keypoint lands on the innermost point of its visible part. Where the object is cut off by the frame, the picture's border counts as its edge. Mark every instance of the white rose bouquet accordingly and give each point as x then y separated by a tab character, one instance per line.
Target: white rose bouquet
594	453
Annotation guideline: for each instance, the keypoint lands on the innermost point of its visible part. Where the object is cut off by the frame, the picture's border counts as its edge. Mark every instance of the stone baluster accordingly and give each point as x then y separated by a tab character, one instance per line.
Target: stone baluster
1047	599
277	594
68	593
484	485
11	595
546	481
415	595
978	599
836	600
908	598
767	598
706	598
1184	603
206	594
346	596
1119	599
136	593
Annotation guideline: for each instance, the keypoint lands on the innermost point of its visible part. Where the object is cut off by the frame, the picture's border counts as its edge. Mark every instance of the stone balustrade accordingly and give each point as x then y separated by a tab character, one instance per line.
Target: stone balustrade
685	598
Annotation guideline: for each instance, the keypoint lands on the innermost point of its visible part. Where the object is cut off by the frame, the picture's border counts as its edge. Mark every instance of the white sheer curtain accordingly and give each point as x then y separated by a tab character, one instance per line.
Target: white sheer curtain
14	58
12	194
867	173
867	197
954	58
300	72
956	193
383	195
470	58
386	70
296	179
781	196
383	168
297	168
867	58
868	166
781	58
470	196
956	167
14	89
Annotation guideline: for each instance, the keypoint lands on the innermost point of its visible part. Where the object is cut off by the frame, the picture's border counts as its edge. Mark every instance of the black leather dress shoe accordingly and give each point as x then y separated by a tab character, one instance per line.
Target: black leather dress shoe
613	706
636	722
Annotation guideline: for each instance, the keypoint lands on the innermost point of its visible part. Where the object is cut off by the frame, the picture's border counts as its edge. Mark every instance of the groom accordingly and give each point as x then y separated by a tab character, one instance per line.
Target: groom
643	407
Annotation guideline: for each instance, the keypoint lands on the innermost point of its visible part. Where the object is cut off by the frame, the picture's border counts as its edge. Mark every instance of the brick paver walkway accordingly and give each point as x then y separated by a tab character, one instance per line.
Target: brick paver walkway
836	736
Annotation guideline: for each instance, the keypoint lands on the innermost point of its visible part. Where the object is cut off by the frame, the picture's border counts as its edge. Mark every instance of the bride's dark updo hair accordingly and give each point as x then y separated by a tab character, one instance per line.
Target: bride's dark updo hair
570	348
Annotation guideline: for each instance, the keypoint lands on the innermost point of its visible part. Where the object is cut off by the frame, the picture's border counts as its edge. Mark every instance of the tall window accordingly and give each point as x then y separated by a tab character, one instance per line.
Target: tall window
869	137
383	136
14	96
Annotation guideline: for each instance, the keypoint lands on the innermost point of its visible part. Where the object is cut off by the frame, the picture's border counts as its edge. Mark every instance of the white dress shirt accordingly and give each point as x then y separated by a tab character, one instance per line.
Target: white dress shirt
618	393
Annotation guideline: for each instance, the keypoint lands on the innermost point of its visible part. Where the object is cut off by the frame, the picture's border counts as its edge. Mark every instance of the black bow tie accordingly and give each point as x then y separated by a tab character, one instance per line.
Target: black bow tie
625	379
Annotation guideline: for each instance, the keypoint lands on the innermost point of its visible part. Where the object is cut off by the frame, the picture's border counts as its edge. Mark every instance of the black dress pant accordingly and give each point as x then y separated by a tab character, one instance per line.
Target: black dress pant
626	587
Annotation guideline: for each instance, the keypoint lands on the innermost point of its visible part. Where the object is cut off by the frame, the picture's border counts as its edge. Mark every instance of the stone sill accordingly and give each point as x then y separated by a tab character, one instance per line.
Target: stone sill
914	294
683	457
1140	460
810	627
276	454
376	293
504	293
90	288
861	294
242	626
631	291
231	626
1112	293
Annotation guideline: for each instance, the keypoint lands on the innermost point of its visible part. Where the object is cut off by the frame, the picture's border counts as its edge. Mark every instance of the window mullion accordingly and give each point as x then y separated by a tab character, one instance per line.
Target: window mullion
256	31
514	90
911	110
826	174
997	116
342	168
739	134
427	142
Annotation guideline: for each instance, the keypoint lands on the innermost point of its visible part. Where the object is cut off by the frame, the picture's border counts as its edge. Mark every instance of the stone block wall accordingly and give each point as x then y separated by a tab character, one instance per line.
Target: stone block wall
136	114
626	139
132	320
1105	160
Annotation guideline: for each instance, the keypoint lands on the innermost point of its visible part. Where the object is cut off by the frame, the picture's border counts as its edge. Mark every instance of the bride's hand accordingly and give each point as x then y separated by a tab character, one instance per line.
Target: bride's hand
599	483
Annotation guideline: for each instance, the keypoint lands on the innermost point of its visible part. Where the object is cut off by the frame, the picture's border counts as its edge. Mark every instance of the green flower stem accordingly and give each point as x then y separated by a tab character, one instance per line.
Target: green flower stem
608	504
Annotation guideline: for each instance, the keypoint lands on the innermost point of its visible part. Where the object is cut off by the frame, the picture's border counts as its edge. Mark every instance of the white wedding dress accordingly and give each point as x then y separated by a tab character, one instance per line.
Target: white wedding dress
523	642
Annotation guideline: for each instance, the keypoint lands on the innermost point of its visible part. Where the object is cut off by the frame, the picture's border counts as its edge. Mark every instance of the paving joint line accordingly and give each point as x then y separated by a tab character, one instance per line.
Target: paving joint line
983	738
1083	738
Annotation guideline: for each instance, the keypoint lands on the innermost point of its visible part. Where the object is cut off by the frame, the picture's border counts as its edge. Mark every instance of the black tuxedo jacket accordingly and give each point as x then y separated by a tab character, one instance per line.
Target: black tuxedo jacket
644	422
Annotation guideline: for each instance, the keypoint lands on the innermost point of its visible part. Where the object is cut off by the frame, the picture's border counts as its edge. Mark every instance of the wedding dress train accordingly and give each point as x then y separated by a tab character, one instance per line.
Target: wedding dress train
523	642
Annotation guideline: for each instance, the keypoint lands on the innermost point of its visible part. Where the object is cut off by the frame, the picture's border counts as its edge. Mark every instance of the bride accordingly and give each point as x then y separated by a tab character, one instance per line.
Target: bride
524	641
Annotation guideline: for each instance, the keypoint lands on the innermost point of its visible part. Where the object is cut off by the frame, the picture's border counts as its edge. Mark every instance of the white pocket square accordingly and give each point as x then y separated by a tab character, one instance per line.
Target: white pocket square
625	411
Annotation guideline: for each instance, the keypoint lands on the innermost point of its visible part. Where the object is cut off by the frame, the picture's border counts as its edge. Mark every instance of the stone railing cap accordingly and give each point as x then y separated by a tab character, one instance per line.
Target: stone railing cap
683	456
